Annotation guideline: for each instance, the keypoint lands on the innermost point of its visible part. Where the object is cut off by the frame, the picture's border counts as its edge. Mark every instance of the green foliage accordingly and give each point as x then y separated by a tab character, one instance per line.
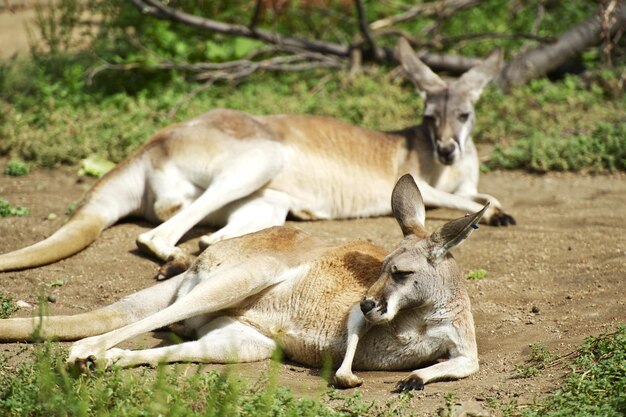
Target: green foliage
7	211
562	126
539	358
476	274
7	306
16	168
603	148
44	387
596	385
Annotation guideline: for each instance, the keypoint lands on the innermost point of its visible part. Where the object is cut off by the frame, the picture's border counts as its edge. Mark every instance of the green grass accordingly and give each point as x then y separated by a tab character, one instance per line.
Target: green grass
7	306
596	384
45	388
16	168
6	210
538	359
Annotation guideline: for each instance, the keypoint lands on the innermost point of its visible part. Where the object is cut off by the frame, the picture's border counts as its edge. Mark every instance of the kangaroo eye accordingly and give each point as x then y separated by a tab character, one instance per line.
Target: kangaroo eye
463	117
400	276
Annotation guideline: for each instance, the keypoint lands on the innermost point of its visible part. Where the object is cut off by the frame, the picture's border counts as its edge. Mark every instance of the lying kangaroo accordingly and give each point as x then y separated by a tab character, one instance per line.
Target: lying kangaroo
246	173
244	297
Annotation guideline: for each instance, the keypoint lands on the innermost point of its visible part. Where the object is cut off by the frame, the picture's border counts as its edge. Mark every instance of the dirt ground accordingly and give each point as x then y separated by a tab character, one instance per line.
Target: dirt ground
555	278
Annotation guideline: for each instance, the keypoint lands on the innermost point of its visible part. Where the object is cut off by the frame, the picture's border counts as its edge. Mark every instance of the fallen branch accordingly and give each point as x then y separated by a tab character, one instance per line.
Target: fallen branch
538	61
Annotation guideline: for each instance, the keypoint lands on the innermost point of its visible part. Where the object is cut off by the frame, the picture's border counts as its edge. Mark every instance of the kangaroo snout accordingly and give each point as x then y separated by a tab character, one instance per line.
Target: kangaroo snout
446	153
367	305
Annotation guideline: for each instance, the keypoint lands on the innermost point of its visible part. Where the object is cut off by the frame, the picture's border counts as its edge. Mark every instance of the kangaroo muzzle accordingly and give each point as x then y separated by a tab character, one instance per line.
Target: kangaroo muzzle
446	153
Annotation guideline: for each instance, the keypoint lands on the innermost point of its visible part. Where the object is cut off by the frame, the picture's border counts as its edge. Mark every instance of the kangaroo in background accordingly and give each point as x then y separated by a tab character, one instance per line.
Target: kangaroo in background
244	173
351	303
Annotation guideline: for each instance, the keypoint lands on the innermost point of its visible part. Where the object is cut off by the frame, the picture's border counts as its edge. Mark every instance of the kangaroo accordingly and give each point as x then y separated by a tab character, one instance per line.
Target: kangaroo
244	173
353	304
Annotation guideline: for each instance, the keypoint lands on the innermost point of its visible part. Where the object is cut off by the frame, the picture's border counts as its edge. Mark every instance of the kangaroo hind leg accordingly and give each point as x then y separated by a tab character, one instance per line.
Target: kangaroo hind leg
245	171
215	291
223	340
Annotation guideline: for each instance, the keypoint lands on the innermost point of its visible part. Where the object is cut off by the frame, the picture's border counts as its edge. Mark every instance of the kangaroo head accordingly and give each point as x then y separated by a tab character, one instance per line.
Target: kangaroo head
448	116
419	272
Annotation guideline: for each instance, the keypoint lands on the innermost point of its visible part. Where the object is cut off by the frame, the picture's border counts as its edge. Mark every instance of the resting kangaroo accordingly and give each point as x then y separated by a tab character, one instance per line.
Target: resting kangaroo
246	173
243	297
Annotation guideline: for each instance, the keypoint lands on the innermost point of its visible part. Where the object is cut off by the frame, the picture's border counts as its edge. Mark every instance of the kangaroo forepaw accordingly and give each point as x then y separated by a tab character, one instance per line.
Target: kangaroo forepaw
500	218
347	380
412	382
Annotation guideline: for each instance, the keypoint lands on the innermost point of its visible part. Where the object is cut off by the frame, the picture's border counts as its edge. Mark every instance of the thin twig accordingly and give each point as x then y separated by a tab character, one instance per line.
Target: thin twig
366	32
424	10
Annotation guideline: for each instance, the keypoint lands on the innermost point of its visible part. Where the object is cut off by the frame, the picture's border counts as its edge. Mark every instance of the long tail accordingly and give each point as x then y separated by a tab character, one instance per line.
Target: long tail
116	195
132	308
78	233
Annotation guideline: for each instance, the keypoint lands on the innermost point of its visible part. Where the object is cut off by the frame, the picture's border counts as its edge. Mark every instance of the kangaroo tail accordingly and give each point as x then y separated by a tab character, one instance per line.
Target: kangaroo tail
116	195
128	310
78	233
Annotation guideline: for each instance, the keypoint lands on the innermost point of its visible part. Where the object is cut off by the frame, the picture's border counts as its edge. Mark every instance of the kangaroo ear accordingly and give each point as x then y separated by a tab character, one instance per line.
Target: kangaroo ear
408	207
477	78
453	233
425	79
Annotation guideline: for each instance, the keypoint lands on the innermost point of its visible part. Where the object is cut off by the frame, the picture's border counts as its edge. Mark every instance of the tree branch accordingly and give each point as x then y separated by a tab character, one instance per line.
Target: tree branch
365	31
159	10
539	61
424	10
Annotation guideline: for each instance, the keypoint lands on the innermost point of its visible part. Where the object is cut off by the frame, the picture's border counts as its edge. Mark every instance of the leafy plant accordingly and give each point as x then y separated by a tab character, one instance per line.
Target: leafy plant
539	358
476	274
7	306
596	385
602	149
44	387
16	168
7	211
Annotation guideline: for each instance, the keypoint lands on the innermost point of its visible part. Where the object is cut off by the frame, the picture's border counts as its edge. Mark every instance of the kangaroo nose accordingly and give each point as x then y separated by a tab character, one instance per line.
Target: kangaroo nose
367	305
446	151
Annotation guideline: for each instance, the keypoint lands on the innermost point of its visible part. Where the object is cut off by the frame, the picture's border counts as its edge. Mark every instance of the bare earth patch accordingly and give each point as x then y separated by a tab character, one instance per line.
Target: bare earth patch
555	278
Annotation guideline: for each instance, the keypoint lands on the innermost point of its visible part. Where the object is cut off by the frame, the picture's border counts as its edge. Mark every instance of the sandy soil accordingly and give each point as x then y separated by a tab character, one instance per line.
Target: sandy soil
555	278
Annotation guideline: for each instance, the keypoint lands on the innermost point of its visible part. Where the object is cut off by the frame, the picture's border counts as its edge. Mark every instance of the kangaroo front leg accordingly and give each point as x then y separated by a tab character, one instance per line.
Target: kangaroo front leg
453	368
219	290
224	340
498	217
437	198
242	174
357	327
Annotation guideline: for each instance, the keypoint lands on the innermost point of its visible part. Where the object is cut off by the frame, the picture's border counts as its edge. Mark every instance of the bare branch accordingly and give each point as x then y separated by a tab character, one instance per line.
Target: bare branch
230	70
539	61
453	64
159	10
256	15
439	42
365	30
424	10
